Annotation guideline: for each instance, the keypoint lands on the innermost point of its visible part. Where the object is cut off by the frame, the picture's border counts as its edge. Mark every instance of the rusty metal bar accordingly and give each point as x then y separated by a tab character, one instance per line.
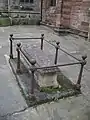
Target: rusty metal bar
81	71
42	38
11	46
33	62
18	70
25	38
69	54
56	55
25	55
66	64
62	65
63	50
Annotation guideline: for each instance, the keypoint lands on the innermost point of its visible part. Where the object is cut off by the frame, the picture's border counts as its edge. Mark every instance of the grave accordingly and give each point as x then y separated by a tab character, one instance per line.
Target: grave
45	77
38	74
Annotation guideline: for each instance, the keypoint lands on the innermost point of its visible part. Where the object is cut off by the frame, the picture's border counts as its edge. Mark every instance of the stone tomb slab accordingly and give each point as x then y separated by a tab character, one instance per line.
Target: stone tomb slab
45	77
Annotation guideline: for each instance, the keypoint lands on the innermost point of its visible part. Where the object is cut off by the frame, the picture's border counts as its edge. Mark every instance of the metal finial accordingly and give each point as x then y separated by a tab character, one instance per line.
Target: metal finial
33	61
11	35
84	57
42	35
19	44
57	42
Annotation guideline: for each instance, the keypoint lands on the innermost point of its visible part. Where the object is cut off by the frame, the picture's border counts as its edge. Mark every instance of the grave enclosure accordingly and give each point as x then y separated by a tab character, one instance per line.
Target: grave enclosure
38	71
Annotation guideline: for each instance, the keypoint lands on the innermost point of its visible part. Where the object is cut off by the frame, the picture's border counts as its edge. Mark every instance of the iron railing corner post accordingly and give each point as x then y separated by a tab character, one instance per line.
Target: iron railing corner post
56	54
42	38
78	85
33	62
11	46
18	70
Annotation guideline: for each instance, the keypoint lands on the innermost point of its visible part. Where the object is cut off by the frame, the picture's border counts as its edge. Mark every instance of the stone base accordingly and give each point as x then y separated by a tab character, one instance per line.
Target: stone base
47	80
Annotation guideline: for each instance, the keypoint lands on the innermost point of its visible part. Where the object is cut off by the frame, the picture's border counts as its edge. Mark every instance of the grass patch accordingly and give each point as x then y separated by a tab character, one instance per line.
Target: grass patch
51	89
4	22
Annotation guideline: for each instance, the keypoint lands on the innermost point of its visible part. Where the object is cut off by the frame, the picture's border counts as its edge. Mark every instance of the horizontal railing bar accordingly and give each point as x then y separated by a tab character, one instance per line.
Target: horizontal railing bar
25	55
20	12
24	38
69	54
67	64
54	66
49	43
63	51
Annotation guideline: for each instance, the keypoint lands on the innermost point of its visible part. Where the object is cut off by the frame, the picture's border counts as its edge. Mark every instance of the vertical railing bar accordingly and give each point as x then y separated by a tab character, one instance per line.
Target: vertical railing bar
18	70
56	54
78	85
33	62
11	46
42	38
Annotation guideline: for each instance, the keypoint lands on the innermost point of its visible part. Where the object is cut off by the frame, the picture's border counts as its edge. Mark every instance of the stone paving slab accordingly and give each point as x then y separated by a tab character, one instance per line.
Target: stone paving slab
10	96
75	108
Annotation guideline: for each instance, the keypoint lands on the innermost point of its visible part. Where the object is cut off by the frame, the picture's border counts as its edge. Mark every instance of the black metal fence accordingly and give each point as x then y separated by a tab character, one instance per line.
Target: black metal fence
81	62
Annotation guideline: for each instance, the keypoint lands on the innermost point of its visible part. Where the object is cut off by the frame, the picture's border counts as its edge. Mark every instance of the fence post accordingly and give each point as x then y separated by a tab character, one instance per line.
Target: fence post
18	70
78	85
33	62
56	55
11	46
42	38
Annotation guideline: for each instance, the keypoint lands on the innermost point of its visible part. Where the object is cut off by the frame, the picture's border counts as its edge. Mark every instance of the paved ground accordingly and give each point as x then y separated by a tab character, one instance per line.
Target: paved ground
12	104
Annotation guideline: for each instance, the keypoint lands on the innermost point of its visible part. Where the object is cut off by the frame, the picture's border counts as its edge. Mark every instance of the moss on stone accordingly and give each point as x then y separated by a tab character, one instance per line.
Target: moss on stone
51	89
25	21
5	22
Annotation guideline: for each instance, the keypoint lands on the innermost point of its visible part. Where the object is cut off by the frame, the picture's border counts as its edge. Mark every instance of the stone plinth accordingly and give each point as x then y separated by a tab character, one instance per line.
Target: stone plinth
45	77
47	80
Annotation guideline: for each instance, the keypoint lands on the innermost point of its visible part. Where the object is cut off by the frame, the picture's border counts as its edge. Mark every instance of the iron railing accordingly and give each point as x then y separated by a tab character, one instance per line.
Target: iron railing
33	68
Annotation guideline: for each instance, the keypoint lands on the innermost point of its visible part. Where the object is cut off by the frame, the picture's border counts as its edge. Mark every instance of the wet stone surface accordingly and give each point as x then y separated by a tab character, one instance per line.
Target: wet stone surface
11	100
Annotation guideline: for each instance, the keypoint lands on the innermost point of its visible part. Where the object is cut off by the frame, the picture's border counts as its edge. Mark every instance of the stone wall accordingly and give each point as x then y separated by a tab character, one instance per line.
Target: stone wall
15	5
3	4
51	14
79	14
68	13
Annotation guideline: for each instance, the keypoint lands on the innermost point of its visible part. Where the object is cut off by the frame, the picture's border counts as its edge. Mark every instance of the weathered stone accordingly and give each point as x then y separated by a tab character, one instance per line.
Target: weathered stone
46	77
70	14
15	15
4	15
16	4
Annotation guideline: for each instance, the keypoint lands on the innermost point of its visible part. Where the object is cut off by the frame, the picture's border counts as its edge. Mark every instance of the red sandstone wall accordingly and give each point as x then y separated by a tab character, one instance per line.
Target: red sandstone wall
79	18
74	13
66	11
51	14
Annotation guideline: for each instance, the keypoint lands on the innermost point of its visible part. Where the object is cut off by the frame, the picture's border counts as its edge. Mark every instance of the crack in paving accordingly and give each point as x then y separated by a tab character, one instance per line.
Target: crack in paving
15	112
